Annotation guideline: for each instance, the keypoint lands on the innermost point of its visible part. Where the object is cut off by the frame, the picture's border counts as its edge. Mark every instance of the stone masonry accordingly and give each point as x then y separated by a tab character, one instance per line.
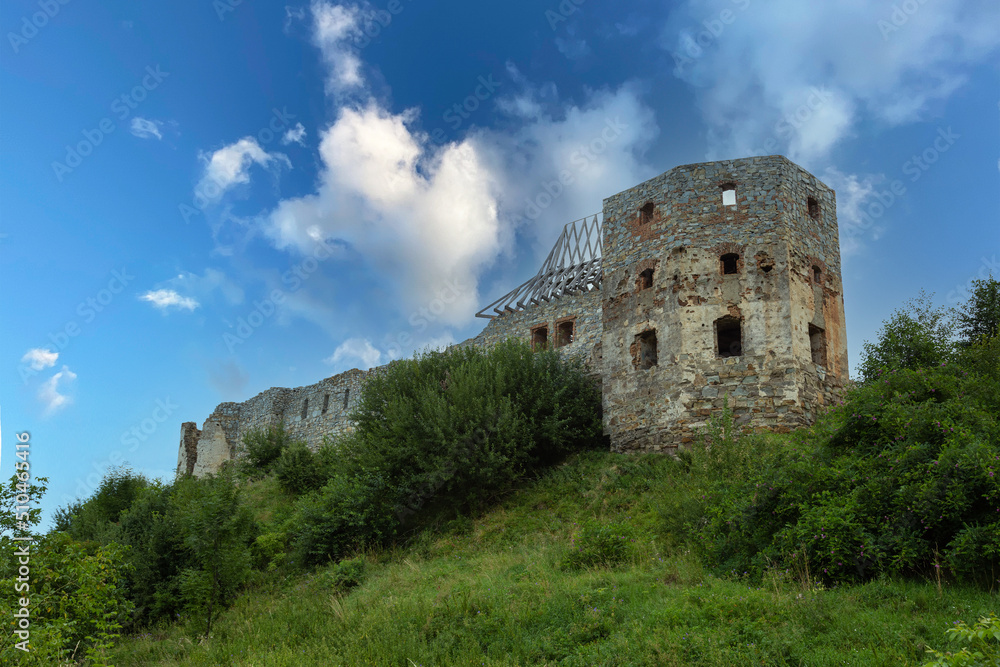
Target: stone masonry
721	282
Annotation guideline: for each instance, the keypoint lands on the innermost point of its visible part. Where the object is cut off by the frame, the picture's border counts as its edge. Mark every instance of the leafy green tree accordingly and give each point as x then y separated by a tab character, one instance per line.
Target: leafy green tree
261	450
96	517
915	336
75	591
299	470
217	529
979	317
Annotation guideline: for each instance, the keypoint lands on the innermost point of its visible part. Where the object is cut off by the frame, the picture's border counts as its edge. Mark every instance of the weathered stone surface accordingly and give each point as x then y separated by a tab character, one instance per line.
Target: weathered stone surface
769	264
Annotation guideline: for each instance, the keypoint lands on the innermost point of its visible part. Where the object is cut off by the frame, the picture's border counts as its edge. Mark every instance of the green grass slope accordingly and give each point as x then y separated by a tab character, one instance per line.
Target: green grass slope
574	568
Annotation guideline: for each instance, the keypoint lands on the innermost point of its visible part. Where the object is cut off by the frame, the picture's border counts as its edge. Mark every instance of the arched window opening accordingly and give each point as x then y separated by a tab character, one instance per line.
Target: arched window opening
646	349
645	280
817	275
817	344
730	263
646	213
729	335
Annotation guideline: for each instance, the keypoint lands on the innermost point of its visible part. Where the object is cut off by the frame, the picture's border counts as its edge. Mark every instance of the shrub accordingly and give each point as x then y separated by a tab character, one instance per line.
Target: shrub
983	648
446	430
261	449
902	479
297	469
346	574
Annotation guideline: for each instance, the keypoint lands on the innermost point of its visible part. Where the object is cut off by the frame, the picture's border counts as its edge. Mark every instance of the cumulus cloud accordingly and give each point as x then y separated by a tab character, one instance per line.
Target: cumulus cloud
40	358
359	349
230	165
165	299
757	67
294	135
145	128
49	393
426	214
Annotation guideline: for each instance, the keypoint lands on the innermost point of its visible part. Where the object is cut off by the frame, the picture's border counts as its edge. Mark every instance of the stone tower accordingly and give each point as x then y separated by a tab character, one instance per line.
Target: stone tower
720	279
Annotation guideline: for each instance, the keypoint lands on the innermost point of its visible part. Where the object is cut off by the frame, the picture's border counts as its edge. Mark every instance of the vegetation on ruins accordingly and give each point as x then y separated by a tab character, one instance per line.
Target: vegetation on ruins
472	519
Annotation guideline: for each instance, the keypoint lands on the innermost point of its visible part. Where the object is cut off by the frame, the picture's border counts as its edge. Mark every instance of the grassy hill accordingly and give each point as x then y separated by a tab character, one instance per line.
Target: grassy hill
573	568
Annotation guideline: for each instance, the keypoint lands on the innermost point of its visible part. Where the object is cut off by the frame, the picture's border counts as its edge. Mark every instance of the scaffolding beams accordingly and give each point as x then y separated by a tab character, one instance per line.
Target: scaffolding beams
573	266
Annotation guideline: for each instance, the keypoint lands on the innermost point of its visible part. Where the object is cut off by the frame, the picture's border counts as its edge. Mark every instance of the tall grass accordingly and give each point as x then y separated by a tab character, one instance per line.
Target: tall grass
502	589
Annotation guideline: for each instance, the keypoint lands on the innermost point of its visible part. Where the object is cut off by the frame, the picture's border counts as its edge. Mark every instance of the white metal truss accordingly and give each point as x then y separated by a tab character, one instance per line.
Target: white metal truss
573	266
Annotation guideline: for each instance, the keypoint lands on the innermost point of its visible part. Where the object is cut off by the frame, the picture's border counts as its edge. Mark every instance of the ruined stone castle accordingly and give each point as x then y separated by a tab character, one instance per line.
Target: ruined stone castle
710	282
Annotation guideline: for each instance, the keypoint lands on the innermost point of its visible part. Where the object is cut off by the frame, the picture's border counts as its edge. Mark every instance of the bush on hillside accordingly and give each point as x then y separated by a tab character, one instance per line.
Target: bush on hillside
906	483
299	470
261	449
92	518
452	429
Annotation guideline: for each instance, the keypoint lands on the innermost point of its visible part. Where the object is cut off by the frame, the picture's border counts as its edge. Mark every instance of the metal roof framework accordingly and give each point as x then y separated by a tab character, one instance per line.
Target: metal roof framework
572	267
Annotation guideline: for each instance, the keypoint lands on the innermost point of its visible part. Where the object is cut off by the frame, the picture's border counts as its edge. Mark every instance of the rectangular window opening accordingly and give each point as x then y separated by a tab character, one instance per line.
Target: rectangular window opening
326	402
817	345
564	333
645	280
729	332
646	342
729	196
539	338
305	408
347	396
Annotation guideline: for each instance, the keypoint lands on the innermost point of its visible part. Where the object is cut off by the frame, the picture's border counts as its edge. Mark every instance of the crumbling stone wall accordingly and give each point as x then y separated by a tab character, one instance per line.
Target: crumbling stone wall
309	413
583	309
782	224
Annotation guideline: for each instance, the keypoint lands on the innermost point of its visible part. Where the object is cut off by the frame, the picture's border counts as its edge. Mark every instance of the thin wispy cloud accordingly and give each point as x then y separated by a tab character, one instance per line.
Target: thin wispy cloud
145	128
50	393
295	135
40	358
166	299
230	165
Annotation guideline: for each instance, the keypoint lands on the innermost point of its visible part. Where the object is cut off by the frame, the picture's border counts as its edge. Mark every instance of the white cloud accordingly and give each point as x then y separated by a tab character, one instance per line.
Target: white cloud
335	27
424	214
164	299
360	349
854	216
230	165
144	128
296	134
754	67
49	393
40	358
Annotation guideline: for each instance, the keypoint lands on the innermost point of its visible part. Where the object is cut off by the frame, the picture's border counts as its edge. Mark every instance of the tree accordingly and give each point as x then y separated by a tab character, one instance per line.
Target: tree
979	317
217	529
918	335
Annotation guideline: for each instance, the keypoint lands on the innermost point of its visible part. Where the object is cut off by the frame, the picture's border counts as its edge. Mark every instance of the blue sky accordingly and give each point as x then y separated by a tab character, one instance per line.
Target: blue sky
199	201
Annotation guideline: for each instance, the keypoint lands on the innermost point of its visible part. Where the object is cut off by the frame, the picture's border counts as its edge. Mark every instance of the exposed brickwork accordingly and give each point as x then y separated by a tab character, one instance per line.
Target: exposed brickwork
654	346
